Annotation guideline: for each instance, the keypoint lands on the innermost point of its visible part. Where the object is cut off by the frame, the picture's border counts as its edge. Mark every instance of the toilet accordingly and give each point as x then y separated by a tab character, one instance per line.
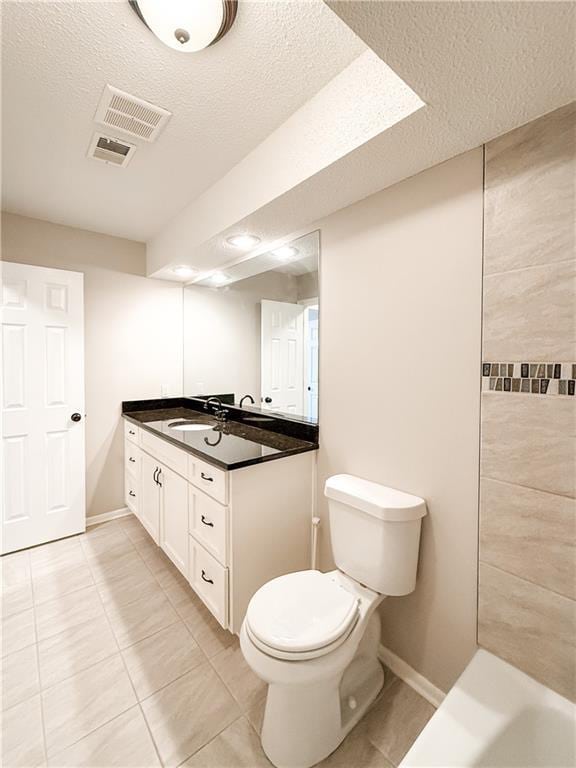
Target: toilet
314	637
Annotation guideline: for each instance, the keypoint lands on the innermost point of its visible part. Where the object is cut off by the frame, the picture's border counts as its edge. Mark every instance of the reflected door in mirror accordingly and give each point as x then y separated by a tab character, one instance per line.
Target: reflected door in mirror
282	356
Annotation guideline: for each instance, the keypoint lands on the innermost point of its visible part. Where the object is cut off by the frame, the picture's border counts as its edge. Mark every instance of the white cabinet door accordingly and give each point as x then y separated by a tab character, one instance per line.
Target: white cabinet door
149	505
42	404
282	351
174	525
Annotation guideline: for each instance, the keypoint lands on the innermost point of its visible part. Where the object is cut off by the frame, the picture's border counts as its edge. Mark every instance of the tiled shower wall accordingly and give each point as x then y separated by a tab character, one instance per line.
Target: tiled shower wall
527	592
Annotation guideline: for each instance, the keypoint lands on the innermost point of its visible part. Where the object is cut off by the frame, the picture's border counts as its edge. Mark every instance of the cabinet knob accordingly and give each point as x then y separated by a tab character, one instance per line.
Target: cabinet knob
205	578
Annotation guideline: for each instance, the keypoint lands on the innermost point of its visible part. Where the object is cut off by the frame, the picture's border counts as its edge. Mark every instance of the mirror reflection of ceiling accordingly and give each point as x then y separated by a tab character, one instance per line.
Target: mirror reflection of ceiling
298	257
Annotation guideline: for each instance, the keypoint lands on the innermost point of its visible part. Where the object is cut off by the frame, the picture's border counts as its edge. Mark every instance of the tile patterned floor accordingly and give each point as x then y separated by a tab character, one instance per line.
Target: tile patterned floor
110	660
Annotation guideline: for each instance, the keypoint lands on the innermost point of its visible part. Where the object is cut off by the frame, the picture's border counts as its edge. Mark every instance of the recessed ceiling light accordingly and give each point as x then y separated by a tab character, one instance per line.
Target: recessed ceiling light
286	252
243	241
183	270
219	278
187	25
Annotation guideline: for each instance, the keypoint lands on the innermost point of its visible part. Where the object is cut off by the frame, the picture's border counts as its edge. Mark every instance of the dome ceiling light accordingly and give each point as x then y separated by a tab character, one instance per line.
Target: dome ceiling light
187	25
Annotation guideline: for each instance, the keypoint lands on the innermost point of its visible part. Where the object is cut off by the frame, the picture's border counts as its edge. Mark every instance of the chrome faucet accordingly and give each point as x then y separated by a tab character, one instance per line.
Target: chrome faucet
244	398
220	412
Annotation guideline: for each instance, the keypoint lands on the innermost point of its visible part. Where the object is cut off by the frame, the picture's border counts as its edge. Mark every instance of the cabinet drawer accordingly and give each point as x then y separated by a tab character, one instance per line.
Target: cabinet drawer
211	480
131	431
209	580
132	458
132	493
172	457
208	523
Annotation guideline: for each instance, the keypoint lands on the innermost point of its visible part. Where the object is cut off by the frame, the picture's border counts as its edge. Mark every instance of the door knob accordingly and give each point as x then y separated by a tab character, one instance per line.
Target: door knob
267	399
76	417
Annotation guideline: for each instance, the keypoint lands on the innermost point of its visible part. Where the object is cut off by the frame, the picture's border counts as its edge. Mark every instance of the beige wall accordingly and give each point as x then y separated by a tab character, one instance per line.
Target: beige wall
133	335
399	387
527	610
222	333
307	286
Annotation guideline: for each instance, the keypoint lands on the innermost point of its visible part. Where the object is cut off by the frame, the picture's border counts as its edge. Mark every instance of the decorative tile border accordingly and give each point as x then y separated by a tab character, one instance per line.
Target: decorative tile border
530	378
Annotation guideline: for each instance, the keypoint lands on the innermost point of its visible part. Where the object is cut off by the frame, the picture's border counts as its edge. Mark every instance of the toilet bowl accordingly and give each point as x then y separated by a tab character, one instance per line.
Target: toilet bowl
314	637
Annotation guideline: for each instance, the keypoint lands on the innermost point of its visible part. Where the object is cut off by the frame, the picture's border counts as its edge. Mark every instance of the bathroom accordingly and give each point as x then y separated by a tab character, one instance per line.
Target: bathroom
288	396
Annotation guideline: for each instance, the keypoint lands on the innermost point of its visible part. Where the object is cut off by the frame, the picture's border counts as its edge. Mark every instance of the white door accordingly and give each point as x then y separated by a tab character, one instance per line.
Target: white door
311	362
149	503
43	461
282	357
174	525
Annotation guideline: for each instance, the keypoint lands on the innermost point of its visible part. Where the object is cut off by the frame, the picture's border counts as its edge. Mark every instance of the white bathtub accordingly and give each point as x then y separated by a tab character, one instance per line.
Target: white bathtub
496	716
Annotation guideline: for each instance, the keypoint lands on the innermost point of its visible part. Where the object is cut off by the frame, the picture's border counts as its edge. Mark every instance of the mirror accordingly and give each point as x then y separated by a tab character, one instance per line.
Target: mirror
252	329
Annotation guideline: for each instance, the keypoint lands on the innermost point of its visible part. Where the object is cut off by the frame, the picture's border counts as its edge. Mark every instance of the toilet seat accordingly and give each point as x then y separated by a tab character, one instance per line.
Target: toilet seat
301	615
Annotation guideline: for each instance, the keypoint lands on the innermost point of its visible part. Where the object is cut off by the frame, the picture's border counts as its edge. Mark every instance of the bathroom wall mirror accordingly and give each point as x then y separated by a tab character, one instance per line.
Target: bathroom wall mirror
252	329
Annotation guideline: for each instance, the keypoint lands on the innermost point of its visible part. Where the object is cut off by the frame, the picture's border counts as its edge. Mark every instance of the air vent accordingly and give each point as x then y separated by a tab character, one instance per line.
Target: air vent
110	149
136	117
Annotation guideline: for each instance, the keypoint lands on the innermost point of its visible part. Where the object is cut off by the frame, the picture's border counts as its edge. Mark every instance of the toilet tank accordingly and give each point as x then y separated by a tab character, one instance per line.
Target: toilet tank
375	533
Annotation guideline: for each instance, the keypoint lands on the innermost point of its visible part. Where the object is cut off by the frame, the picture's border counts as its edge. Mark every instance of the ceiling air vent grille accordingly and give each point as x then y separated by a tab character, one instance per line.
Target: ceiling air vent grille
111	150
136	117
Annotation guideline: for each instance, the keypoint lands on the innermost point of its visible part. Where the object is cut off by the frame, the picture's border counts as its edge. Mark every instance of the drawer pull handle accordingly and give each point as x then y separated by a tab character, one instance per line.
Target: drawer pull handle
131	432
205	578
132	459
206	477
154	475
207	522
131	493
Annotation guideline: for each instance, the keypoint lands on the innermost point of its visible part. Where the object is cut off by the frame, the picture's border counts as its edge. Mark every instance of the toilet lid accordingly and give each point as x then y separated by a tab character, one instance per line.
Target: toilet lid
301	612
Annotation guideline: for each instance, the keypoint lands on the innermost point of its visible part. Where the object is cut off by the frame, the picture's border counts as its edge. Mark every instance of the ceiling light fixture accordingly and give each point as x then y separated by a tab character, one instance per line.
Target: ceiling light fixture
183	270
187	25
243	241
219	278
286	252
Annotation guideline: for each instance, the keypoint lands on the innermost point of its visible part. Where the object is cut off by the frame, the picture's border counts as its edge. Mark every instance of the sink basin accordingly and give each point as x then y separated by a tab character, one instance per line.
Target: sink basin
190	426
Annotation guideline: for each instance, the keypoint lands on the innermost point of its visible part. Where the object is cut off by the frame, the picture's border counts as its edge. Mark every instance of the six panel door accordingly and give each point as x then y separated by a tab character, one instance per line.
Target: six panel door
43	467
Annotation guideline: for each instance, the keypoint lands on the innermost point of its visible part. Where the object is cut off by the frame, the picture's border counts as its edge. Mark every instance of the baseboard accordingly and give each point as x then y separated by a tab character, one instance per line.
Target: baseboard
104	518
412	678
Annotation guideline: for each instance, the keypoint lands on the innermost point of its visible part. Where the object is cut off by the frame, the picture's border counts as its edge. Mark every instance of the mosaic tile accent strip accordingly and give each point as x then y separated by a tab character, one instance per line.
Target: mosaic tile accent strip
530	378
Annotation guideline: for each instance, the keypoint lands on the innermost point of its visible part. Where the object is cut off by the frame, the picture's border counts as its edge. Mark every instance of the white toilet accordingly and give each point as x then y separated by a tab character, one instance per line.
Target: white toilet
314	637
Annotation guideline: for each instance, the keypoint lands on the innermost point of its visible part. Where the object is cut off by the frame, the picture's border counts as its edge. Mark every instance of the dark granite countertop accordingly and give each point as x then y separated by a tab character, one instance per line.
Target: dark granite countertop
228	445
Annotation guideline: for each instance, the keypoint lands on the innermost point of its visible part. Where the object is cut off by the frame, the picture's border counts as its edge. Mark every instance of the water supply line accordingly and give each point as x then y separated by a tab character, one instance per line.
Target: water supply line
315	524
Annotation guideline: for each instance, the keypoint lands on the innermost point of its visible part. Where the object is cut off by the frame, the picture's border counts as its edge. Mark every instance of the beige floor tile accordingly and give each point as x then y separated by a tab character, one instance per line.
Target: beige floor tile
134	529
128	586
141	618
101	531
358	751
18	632
68	611
15	568
124	742
529	626
19	676
80	704
159	564
115	541
238	746
188	713
255	714
61	581
243	684
112	562
63	553
396	719
17	598
69	652
22	738
158	660
205	629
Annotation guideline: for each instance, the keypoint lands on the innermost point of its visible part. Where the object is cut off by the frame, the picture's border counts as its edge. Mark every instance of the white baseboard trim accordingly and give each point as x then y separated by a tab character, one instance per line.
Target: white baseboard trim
104	518
414	679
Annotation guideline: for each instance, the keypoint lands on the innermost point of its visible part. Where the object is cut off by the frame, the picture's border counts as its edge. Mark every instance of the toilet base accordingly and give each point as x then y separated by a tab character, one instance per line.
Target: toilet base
304	724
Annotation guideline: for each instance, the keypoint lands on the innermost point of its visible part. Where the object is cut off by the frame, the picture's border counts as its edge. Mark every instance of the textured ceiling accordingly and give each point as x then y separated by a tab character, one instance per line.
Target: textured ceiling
57	57
482	69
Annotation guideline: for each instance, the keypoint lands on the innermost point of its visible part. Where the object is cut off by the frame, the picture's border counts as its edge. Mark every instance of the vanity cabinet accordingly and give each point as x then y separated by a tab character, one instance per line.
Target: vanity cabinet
228	532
